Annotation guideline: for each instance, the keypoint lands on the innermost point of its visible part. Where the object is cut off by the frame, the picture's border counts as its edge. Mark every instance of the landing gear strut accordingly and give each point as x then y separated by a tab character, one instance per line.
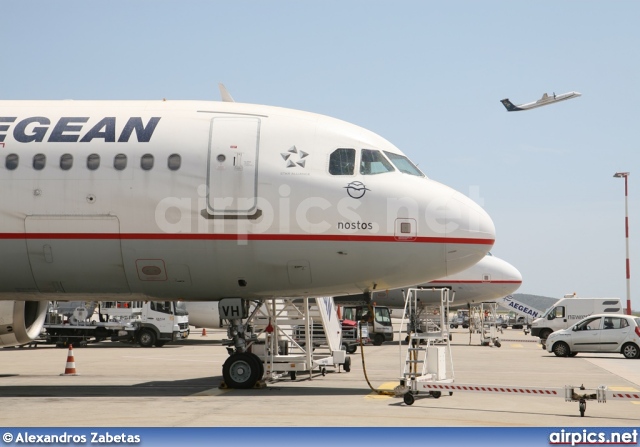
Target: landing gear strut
242	369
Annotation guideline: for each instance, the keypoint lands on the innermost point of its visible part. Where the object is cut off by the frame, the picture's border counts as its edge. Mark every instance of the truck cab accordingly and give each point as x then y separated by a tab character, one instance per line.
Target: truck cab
378	320
157	322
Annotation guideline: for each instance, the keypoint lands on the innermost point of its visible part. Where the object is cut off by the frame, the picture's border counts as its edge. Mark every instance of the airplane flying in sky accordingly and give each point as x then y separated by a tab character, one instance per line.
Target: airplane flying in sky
194	200
545	100
491	278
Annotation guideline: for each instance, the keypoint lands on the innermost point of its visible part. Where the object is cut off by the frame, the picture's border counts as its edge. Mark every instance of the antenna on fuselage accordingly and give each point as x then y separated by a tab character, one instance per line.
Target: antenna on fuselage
224	93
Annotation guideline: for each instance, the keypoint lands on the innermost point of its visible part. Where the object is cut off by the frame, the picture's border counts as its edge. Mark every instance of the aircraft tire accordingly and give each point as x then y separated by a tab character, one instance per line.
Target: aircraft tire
259	363
240	371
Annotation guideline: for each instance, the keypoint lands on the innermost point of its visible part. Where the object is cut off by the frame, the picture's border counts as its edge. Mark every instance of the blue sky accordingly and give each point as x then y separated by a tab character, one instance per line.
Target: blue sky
428	76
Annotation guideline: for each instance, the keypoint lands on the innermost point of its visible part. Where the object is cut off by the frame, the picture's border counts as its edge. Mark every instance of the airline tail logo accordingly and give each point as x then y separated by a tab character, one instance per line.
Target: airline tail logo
74	129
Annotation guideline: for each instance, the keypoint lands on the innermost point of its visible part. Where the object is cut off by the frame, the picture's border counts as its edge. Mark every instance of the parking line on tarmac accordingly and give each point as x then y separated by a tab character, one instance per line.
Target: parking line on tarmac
623	388
387	386
516	345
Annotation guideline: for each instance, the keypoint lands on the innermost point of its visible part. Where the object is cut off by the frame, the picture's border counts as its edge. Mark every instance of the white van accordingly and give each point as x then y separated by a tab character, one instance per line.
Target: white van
568	311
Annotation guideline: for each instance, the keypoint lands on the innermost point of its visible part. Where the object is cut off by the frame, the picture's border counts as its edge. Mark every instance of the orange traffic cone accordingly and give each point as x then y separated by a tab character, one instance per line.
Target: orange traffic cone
204	332
70	369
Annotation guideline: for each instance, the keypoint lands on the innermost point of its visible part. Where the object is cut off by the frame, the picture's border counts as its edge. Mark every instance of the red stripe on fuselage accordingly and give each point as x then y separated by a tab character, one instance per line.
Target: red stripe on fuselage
477	282
251	237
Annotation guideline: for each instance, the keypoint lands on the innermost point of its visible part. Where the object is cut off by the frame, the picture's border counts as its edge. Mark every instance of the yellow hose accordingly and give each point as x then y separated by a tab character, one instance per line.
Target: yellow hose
364	369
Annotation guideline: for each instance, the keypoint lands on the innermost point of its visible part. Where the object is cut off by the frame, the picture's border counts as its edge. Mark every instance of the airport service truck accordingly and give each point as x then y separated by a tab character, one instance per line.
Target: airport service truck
148	323
378	320
569	311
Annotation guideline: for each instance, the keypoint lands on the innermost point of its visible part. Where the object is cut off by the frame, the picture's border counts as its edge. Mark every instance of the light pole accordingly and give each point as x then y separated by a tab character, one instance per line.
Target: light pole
625	175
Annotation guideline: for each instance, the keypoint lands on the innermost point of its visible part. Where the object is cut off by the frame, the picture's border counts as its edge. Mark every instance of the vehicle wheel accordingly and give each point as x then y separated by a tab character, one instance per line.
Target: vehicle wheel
544	334
561	349
146	338
630	351
378	339
240	371
292	375
352	349
573	354
258	364
160	344
323	371
347	364
435	394
582	407
408	399
497	343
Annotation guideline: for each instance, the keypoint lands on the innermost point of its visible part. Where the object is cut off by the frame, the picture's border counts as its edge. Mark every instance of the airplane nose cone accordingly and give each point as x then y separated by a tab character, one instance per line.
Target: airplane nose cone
512	274
470	232
512	279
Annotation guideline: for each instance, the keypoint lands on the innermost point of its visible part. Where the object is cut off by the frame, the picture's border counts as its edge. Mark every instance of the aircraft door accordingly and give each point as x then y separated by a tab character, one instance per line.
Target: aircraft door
233	166
76	254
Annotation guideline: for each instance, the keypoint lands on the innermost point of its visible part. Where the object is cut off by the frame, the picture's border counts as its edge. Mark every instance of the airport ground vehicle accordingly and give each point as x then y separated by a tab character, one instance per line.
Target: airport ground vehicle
378	320
461	319
149	323
598	333
350	335
568	311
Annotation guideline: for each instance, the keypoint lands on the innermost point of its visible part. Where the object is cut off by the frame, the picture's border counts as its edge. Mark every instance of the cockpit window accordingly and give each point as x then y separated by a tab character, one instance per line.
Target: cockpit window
373	162
403	164
342	162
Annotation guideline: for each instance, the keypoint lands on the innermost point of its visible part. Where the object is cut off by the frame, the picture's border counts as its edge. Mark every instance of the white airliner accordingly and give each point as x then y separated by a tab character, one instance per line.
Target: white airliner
490	279
545	100
194	200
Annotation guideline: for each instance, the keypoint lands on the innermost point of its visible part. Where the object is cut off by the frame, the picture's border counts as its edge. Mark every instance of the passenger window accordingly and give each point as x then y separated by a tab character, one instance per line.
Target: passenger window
39	161
342	162
11	162
93	162
66	162
590	325
146	162
403	164
373	162
120	162
174	162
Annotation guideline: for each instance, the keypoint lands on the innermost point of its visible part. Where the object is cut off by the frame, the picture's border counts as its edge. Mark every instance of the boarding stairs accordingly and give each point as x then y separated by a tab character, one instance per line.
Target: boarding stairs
296	335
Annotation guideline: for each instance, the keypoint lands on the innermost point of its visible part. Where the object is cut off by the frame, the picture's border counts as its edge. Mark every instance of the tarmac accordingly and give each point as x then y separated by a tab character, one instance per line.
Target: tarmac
178	386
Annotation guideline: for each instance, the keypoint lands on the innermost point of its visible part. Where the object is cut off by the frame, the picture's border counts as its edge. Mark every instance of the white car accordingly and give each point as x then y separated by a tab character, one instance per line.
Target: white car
598	333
